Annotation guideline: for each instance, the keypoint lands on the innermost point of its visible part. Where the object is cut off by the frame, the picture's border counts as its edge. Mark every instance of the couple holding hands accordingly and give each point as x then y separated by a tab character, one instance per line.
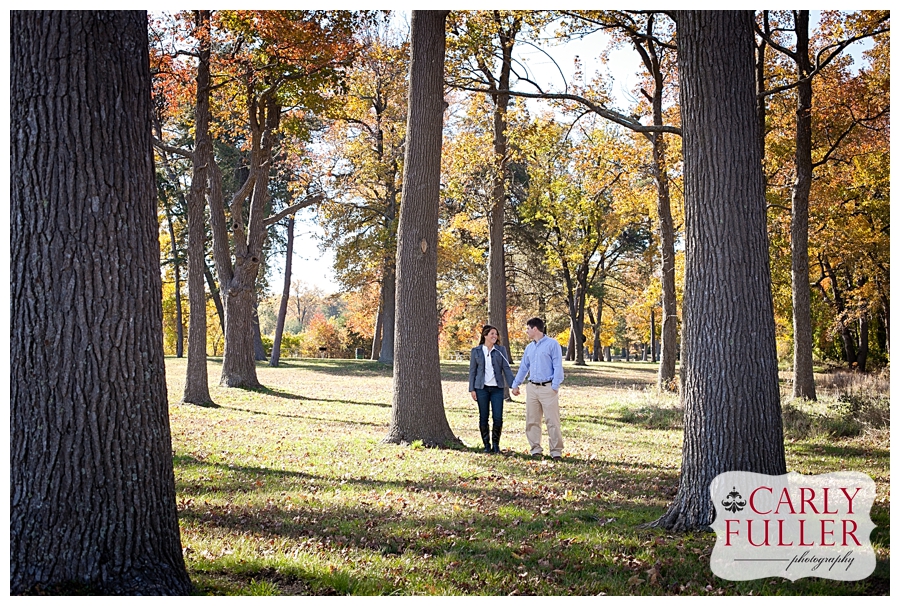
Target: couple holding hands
489	372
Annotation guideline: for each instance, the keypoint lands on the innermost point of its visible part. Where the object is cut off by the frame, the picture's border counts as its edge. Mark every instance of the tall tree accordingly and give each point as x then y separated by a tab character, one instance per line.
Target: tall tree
732	411
484	42
418	412
367	137
651	36
92	483
806	68
196	381
267	60
285	294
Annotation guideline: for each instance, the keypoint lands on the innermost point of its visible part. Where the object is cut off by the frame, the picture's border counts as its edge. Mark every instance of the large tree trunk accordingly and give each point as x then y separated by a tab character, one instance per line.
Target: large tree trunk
804	385
238	280
239	357
285	294
92	488
732	412
196	382
418	407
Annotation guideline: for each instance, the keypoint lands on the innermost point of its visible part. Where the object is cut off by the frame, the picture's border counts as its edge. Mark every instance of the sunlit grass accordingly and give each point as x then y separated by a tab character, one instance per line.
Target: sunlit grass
289	490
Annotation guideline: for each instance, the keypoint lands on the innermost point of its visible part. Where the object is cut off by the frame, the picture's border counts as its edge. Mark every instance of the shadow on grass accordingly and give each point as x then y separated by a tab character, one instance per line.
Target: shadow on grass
338	367
268	391
842	451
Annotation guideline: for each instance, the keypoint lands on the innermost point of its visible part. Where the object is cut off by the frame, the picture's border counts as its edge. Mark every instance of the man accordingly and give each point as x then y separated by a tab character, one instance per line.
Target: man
542	362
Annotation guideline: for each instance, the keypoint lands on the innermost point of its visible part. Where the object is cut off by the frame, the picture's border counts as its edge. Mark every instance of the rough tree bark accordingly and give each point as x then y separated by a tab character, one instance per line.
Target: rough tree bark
732	412
418	406
196	381
804	384
285	294
237	278
92	488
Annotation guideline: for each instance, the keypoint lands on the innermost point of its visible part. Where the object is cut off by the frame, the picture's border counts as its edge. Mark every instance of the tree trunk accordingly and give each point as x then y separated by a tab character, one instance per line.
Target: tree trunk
580	301
285	294
804	385
92	488
418	412
840	310
732	412
497	306
862	352
214	293
386	356
669	333
238	279
379	323
598	327
652	336
176	270
497	261
259	351
196	381
239	357
760	67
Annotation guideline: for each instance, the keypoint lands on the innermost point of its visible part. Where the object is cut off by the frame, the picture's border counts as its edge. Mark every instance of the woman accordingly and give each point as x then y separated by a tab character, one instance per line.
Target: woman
489	372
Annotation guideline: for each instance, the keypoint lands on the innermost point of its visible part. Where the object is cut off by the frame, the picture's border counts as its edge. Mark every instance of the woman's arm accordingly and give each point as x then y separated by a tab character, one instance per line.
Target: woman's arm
504	364
473	369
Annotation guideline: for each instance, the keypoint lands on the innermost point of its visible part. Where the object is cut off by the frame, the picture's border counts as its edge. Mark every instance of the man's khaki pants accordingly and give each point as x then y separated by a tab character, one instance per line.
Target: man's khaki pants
541	400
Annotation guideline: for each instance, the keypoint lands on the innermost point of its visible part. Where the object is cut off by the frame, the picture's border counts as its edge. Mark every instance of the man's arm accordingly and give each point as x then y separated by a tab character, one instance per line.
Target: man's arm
523	370
556	360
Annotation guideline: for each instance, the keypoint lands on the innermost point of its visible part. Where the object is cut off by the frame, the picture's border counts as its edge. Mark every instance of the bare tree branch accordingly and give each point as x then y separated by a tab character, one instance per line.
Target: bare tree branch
294	208
178	151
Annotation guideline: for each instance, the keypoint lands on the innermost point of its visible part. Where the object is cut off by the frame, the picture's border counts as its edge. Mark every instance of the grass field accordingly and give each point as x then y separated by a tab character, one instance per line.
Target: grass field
288	490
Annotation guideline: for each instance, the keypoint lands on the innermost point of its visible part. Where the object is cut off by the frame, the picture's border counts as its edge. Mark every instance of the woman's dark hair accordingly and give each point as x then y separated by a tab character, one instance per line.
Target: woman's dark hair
536	323
484	332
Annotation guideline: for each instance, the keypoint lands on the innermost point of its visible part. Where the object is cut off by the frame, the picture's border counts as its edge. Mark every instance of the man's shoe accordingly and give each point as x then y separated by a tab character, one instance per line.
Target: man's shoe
537	455
555	457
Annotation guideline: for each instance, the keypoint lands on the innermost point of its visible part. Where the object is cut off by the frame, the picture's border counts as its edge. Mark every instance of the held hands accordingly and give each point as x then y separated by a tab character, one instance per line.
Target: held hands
514	391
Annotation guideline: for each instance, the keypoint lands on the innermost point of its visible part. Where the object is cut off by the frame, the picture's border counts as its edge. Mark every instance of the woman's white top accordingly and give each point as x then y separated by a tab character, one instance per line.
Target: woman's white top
489	378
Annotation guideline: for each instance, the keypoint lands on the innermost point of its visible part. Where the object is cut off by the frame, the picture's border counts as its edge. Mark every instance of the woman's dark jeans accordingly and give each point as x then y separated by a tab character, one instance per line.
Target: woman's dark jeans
493	397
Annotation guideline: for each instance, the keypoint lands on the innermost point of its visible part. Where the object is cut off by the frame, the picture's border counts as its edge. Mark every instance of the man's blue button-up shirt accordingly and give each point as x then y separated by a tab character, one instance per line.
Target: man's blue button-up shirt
542	362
